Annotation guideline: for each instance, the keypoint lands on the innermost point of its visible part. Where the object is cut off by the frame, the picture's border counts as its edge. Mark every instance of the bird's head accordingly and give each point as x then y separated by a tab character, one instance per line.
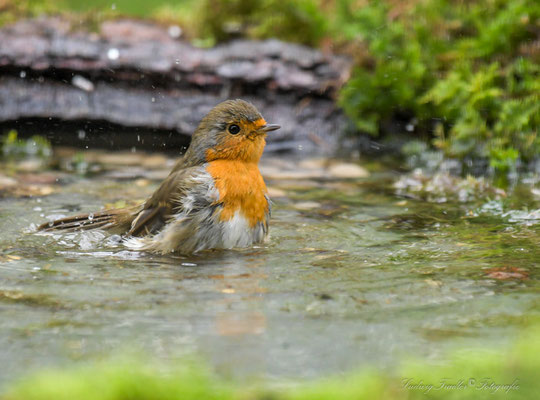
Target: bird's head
232	130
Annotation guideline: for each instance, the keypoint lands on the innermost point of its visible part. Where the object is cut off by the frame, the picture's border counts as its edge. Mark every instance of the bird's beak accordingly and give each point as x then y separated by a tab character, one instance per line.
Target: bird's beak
268	128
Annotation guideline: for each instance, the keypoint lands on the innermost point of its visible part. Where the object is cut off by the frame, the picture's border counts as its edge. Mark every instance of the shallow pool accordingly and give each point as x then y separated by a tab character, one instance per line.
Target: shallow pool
354	275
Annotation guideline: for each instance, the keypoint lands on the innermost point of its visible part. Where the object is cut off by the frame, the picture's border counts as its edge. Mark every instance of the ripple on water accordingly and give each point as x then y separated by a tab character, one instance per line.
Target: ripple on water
352	275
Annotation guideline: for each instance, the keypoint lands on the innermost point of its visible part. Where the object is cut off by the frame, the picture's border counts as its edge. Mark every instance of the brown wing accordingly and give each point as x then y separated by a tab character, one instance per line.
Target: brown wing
116	219
159	208
140	220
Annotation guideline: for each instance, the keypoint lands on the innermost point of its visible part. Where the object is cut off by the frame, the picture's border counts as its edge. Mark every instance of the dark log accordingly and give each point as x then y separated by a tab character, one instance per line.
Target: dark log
134	76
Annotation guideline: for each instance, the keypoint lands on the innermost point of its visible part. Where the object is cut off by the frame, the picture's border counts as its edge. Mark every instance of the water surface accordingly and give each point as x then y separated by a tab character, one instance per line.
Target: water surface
354	275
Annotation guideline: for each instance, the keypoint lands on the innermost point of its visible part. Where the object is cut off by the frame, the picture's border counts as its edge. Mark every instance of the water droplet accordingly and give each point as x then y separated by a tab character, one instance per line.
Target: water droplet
22	74
113	6
113	54
153	99
174	31
409	127
81	134
115	239
82	83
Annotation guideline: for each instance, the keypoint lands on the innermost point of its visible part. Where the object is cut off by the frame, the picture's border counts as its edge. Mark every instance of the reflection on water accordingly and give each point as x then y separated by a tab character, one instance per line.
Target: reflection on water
353	275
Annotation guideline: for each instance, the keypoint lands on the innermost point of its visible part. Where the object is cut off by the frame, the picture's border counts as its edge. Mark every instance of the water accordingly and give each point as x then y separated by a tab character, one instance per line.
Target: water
352	276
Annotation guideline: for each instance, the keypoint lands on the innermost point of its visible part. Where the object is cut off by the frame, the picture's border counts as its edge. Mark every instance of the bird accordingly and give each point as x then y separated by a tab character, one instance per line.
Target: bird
214	197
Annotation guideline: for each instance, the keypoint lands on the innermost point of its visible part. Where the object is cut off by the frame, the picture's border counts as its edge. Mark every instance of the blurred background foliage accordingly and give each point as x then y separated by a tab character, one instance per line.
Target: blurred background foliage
472	374
460	74
466	72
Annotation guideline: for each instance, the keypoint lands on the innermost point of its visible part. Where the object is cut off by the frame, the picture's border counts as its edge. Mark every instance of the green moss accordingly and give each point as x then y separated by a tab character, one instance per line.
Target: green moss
299	21
11	10
18	297
122	380
464	74
13	147
469	374
465	71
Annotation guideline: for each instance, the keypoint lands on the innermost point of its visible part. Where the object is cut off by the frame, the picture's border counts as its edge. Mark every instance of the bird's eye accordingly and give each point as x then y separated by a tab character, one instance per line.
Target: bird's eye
234	129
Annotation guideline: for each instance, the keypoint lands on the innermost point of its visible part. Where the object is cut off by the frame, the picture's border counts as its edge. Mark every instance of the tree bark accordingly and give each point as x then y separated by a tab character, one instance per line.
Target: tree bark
133	77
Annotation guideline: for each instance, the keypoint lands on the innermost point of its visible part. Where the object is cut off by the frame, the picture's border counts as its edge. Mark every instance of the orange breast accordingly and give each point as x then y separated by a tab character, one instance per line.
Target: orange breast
241	187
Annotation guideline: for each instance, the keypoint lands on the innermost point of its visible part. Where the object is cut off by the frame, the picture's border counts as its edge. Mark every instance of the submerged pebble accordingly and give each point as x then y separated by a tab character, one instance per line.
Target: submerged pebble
307	205
347	170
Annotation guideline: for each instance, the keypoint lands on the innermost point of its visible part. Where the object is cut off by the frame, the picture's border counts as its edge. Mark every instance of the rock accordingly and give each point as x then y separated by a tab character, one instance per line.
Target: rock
30	165
27	185
314	163
6	182
45	178
307	205
347	171
311	168
274	192
155	161
275	173
507	273
27	191
135	77
116	159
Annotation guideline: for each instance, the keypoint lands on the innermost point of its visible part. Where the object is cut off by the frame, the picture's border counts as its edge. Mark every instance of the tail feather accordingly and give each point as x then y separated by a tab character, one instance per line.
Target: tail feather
117	219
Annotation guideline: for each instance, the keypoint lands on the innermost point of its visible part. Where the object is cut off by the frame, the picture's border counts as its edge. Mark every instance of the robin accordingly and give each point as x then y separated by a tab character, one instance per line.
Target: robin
214	197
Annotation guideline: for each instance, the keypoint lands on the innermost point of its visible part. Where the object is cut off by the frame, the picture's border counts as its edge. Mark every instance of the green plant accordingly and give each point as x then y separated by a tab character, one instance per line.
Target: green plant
13	147
468	374
11	10
300	21
467	71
